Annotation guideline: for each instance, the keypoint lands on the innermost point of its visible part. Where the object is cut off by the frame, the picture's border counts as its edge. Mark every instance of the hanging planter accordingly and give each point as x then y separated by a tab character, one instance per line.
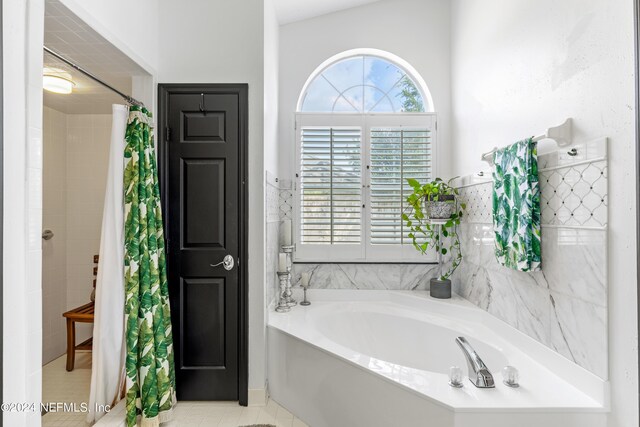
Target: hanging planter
433	219
441	206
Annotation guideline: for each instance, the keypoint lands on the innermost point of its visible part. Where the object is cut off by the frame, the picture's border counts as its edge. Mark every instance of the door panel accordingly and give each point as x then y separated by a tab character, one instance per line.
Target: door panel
202	202
199	126
203	334
203	192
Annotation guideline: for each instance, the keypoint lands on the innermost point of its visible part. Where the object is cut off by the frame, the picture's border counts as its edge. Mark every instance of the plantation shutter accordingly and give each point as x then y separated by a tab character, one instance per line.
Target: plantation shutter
396	154
330	185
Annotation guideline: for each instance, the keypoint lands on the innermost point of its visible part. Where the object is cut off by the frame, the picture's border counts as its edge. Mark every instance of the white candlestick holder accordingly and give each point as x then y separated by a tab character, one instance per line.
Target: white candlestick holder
289	251
284	277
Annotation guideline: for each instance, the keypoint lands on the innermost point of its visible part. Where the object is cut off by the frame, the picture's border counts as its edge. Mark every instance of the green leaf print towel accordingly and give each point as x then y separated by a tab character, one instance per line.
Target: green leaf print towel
516	206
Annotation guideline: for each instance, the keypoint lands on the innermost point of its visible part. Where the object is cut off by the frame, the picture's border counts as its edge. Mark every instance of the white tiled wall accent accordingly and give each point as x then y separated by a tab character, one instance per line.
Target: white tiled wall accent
75	169
88	138
285	199
575	195
272	239
54	251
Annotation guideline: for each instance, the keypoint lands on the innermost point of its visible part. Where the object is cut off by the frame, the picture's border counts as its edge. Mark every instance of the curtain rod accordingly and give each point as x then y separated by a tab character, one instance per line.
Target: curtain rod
126	97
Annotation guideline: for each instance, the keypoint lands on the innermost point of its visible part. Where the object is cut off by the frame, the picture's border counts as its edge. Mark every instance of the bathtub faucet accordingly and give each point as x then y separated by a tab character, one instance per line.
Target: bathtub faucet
479	374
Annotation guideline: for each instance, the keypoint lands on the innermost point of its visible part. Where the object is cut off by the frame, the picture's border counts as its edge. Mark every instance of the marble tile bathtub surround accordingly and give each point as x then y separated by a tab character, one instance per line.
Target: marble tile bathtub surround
564	306
366	276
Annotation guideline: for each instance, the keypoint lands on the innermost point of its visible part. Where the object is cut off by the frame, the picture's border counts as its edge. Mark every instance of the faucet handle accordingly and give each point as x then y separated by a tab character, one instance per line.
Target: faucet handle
510	376
455	377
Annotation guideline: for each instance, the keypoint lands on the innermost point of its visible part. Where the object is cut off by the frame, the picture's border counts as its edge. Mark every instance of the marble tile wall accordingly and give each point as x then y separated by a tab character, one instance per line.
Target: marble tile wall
366	276
564	306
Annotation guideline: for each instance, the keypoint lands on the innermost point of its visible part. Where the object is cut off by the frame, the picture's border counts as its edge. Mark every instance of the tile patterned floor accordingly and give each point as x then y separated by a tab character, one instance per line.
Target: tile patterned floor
229	414
58	385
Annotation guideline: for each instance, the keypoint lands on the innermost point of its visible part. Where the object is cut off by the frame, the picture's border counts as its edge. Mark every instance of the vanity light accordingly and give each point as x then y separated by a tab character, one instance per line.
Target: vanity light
57	81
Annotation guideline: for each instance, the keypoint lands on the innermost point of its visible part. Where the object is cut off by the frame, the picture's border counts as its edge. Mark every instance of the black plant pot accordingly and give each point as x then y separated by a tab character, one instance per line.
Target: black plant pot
440	288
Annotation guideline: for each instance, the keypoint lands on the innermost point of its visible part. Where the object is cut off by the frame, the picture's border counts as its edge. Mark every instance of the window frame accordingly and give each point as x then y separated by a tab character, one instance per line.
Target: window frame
395	60
362	252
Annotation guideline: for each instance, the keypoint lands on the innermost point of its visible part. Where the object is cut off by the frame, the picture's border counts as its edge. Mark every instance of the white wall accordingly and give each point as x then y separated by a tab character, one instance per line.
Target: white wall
54	251
88	139
521	66
271	195
415	30
271	58
131	26
218	41
22	213
76	161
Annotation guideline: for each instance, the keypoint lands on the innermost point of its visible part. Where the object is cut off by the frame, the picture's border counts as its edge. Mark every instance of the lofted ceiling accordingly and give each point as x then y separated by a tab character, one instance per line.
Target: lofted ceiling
289	11
69	36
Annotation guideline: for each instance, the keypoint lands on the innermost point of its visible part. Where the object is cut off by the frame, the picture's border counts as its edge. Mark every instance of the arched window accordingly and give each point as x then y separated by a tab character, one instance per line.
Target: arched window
363	84
365	124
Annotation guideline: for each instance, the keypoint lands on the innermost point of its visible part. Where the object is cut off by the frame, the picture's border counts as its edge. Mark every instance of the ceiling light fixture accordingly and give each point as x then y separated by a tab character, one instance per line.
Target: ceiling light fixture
57	81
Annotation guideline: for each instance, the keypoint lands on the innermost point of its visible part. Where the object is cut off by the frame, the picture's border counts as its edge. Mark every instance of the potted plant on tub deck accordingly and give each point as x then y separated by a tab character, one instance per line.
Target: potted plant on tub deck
433	217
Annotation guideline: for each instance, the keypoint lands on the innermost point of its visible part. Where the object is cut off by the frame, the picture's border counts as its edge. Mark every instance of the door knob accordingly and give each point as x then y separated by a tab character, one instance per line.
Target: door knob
227	263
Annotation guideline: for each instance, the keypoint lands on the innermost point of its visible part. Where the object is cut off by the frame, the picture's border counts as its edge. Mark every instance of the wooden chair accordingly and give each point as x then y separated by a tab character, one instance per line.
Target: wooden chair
82	314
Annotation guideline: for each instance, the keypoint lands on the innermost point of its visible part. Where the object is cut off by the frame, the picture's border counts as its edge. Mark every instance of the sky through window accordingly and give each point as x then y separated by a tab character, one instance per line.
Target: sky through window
363	84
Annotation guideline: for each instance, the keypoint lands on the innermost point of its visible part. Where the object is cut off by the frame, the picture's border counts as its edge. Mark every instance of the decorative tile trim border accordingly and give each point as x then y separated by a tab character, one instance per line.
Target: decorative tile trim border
573	195
272	193
285	200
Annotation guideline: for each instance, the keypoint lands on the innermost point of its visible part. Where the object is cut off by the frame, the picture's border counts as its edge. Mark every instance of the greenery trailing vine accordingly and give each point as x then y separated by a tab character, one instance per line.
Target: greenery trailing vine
423	232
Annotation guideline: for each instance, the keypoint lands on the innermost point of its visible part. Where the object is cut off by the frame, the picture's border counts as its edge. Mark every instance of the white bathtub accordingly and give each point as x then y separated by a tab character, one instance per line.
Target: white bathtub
381	358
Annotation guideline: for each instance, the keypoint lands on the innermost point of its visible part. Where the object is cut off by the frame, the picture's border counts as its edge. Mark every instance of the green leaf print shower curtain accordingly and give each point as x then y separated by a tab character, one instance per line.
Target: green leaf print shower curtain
150	375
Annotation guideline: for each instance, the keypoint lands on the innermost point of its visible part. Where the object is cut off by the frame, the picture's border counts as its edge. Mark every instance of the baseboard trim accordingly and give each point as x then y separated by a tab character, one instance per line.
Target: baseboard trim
257	397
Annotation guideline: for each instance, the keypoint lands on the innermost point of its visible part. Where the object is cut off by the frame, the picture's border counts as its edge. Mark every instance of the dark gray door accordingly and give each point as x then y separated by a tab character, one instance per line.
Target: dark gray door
203	189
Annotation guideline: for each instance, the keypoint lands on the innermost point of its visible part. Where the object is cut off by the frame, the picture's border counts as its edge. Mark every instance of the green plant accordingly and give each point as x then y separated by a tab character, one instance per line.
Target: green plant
423	233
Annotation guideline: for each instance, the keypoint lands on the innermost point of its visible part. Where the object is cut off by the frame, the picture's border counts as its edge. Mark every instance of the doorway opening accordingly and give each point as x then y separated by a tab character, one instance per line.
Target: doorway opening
77	120
203	157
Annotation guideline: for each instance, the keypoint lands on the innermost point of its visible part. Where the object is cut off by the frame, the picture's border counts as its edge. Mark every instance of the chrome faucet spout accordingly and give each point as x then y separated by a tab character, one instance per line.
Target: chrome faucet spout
479	374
